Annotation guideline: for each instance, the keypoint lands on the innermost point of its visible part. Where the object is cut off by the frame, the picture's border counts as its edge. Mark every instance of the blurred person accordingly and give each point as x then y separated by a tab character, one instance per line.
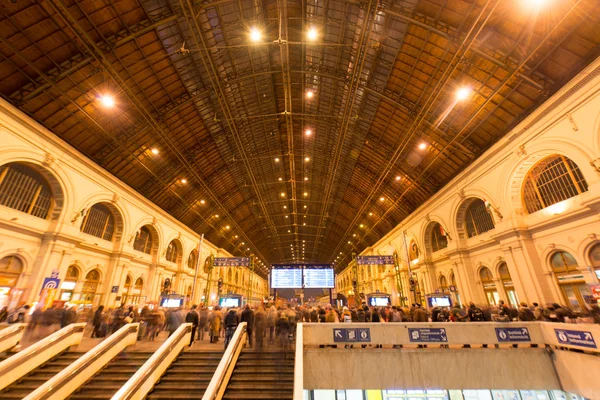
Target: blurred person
232	320
215	320
595	313
175	319
69	316
346	315
443	315
272	321
283	331
322	315
97	322
525	313
314	315
248	318
193	318
475	314
538	312
419	314
260	326
202	322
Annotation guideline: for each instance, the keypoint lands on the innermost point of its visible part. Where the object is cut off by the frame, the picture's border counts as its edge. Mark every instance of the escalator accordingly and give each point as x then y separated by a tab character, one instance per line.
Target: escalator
188	376
262	375
38	376
109	380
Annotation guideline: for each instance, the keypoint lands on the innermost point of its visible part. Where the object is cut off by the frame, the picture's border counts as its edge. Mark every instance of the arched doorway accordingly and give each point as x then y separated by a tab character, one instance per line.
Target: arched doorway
10	270
90	287
509	286
595	259
126	289
489	286
570	280
69	283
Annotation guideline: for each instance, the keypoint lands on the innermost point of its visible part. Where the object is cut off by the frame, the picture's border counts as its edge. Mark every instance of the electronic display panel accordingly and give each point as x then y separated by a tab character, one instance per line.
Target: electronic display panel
229	302
319	278
286	278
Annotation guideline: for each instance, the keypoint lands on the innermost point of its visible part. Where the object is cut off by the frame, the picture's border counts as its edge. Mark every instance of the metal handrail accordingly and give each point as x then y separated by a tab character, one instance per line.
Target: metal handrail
25	355
218	379
88	359
11	331
131	387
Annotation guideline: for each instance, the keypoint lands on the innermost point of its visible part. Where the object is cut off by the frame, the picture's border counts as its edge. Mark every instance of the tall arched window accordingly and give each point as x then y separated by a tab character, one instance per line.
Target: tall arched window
99	221
10	270
443	283
143	240
438	237
455	287
489	286
206	265
24	189
570	280
193	259
90	286
478	219
508	284
68	285
172	252
552	180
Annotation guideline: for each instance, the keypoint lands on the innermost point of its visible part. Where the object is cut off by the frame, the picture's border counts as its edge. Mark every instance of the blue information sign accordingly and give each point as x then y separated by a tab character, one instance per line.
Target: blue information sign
115	289
576	338
374	260
429	335
352	335
513	334
231	261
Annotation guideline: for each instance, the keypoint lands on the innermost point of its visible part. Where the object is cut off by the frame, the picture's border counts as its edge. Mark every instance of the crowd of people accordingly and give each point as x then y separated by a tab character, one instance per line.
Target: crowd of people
270	325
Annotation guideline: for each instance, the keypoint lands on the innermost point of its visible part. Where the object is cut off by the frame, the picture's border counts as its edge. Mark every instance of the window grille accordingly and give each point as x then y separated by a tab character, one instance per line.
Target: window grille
100	222
486	275
93	275
192	259
551	181
143	241
562	261
172	252
478	219
24	189
438	241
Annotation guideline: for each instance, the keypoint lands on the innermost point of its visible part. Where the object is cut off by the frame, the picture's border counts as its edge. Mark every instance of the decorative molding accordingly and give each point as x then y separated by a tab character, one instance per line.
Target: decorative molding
48	160
520	151
115	198
596	164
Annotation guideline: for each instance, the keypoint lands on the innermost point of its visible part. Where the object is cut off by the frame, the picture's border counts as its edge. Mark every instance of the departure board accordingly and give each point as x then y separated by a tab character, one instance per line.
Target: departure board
286	278
318	278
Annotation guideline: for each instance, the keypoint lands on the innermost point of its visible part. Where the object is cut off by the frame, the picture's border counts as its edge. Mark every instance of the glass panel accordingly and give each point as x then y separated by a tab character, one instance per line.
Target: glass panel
477	395
512	298
324	394
570	294
478	219
595	256
506	395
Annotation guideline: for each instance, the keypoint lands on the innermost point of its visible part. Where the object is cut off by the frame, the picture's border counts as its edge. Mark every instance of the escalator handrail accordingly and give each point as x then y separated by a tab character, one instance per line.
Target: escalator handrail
25	355
11	331
218	379
85	361
131	387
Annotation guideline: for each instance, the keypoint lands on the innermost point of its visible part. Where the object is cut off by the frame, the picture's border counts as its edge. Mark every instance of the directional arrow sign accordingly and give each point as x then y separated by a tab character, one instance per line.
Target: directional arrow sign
517	334
575	338
339	335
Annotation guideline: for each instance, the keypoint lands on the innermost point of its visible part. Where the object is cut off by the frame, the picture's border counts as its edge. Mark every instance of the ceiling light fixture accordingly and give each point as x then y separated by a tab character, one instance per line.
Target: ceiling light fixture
312	34
107	101
398	177
183	181
309	94
370	214
216	215
422	146
280	179
306	159
305	194
382	199
154	151
306	178
276	159
202	201
282	194
255	35
308	132
463	93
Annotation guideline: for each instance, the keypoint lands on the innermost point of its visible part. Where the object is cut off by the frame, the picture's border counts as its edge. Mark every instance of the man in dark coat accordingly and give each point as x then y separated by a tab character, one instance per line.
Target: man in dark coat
248	318
193	318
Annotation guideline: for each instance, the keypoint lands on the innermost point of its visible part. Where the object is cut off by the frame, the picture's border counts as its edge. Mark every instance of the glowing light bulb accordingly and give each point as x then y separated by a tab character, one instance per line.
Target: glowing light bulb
184	181
255	35
308	132
154	151
463	93
382	199
312	34
107	101
422	146
309	94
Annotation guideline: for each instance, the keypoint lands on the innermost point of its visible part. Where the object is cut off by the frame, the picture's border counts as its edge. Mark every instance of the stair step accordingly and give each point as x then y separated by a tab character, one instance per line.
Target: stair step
257	395
281	386
168	395
176	386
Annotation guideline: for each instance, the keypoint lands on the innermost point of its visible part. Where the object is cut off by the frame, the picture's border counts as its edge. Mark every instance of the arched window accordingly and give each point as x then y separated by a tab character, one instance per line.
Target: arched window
443	283
99	221
68	285
229	276
438	237
72	274
478	219
595	258
193	259
10	270
128	282
143	240
139	284
172	252
570	280
90	286
206	265
24	189
552	180
489	286
508	284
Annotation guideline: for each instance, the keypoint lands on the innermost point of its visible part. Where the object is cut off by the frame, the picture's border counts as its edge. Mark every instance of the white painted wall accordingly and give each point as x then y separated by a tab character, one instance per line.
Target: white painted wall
57	243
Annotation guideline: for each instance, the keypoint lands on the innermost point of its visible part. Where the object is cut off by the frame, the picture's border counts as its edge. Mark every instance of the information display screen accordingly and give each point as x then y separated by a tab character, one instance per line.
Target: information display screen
439	301
284	278
382	301
229	302
319	278
171	303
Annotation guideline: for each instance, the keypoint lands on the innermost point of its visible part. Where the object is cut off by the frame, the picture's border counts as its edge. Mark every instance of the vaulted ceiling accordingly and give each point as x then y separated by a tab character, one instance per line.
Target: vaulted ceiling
227	117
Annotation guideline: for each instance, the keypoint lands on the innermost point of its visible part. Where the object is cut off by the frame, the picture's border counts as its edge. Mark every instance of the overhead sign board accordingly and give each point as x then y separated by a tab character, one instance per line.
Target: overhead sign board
513	334
374	260
298	276
576	338
319	278
286	278
428	335
231	261
362	335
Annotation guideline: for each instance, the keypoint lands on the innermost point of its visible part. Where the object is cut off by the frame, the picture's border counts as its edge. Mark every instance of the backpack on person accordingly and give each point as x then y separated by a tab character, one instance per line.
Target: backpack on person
476	315
360	315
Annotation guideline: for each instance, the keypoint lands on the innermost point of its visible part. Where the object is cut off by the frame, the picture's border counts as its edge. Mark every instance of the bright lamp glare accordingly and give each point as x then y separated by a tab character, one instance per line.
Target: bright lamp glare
312	34
107	101
309	94
422	146
463	93
308	132
255	35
